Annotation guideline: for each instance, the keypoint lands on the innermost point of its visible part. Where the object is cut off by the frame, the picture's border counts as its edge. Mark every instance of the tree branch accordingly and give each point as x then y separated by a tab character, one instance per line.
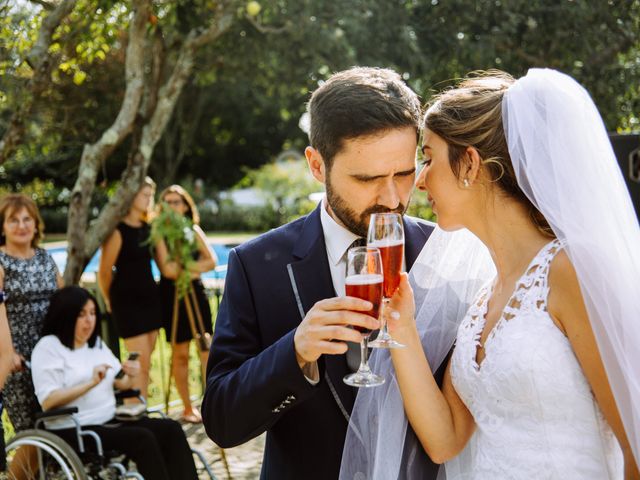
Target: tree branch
93	155
265	29
624	43
84	242
170	91
44	4
39	59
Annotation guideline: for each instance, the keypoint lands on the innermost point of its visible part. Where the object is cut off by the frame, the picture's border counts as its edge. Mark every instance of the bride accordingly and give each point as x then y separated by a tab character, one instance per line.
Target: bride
541	381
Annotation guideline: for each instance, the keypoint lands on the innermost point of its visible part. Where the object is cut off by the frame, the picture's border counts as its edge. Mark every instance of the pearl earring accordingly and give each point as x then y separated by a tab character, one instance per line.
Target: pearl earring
465	182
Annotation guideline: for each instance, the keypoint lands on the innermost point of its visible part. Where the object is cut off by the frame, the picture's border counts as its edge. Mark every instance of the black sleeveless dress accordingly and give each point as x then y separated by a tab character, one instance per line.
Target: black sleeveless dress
183	332
135	298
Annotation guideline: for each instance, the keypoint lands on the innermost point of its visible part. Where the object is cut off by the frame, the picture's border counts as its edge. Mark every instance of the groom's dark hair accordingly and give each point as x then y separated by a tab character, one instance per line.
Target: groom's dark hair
359	102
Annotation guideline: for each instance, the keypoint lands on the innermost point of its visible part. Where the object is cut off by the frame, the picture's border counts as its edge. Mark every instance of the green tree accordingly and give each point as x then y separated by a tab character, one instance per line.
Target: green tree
285	185
157	65
595	42
73	70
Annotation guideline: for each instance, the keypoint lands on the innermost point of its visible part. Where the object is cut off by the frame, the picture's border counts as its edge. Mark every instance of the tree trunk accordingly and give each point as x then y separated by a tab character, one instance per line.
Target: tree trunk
83	241
78	255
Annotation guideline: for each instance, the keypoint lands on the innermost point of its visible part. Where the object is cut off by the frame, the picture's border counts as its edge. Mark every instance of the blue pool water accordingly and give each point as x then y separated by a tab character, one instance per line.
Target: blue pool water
59	255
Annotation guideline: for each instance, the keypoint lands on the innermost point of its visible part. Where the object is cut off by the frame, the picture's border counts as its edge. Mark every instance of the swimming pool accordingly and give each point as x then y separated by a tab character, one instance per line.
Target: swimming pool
59	255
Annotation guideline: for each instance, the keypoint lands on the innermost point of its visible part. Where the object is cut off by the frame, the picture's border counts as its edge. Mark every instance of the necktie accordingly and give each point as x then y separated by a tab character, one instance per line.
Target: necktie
353	353
358	242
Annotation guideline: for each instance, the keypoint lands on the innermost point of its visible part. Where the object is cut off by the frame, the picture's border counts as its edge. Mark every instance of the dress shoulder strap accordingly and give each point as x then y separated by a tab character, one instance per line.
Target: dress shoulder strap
535	283
546	256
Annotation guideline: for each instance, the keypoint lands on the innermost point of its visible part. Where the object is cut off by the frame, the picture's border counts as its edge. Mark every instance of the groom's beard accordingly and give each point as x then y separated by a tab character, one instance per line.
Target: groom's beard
357	223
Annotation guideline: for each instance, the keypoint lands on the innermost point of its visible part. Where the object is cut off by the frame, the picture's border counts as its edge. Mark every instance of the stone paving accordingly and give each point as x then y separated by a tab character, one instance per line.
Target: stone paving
244	461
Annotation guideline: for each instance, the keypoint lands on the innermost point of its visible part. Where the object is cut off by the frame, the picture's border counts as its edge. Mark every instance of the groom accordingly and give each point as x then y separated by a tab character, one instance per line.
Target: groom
278	354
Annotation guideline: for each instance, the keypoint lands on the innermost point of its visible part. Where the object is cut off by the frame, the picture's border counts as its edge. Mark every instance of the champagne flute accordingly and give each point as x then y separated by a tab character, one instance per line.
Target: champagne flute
364	280
386	233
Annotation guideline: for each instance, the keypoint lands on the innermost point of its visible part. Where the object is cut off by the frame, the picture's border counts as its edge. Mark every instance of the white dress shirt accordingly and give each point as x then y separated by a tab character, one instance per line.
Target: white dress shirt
337	240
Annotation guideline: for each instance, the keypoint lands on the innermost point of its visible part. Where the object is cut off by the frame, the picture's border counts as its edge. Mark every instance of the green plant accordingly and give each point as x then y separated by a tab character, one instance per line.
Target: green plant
177	232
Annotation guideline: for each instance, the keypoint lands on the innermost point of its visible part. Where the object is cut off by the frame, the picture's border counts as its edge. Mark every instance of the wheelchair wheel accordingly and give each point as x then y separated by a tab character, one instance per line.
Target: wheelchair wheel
56	459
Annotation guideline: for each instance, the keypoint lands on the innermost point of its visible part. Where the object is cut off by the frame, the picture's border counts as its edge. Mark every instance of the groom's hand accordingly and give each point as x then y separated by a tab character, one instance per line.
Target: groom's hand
325	328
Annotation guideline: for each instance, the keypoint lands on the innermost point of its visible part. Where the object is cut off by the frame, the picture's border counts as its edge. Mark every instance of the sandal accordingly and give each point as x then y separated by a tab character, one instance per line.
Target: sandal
193	417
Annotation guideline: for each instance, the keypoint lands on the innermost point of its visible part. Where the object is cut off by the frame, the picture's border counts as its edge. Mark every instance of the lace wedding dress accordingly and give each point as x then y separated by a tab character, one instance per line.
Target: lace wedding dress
535	415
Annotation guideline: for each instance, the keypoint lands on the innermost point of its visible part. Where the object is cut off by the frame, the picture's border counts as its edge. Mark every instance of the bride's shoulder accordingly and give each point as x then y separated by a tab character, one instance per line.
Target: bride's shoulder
565	302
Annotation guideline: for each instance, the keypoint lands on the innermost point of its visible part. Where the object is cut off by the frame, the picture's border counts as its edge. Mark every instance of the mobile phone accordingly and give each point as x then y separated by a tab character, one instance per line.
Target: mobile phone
132	356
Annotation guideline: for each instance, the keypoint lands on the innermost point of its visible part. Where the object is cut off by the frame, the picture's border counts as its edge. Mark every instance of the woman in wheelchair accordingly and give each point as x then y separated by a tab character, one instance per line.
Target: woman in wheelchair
71	367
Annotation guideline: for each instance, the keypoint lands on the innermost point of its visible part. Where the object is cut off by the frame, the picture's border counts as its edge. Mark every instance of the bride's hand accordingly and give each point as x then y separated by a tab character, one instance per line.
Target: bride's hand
402	309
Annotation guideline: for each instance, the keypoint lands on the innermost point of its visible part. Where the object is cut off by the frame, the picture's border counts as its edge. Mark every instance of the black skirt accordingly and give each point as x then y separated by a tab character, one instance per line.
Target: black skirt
136	310
183	332
134	294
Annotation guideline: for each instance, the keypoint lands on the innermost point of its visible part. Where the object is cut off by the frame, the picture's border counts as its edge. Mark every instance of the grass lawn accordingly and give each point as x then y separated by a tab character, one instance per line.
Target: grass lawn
160	361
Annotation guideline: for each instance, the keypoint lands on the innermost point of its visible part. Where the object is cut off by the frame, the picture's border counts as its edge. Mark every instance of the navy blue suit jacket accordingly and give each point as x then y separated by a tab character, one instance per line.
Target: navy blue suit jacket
254	383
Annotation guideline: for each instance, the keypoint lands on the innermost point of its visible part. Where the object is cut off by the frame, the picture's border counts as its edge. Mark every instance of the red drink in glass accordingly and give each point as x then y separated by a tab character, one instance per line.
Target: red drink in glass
392	254
369	288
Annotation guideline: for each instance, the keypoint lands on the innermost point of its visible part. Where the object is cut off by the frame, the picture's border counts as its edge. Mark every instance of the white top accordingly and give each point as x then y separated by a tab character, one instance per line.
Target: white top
54	366
535	414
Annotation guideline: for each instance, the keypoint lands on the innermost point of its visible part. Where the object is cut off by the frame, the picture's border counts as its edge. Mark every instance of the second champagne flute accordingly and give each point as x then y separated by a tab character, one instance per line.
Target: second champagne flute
386	233
364	280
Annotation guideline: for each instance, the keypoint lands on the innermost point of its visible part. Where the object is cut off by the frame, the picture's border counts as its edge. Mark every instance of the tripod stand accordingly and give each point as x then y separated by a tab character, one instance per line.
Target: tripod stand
199	334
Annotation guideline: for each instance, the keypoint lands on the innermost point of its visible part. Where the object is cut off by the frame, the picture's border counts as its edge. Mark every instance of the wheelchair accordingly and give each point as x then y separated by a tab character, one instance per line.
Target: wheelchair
57	460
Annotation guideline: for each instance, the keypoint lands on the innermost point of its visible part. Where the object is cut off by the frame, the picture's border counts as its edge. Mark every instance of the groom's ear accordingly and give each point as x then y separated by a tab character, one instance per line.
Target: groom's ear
316	164
472	164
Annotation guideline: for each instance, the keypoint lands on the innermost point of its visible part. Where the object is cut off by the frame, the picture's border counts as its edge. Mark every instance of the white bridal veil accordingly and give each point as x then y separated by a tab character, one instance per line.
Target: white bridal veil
566	166
445	279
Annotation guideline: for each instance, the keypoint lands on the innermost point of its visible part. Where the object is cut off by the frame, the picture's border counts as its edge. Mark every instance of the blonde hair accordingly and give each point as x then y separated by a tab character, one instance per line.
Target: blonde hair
150	213
470	115
192	210
13	203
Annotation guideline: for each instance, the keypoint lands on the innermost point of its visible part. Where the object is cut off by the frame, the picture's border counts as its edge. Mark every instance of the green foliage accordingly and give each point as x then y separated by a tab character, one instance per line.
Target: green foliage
420	207
43	192
235	218
596	42
286	186
177	232
249	90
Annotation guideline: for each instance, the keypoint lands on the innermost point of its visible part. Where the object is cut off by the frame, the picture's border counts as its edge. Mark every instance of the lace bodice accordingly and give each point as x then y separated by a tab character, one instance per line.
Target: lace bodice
535	414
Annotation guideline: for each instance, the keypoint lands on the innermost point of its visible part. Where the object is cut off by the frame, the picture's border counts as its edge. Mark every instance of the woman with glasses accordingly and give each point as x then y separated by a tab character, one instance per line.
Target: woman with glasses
178	199
28	278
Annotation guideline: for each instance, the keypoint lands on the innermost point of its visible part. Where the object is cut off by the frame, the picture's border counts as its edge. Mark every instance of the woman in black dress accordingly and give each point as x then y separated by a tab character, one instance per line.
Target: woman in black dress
179	200
127	284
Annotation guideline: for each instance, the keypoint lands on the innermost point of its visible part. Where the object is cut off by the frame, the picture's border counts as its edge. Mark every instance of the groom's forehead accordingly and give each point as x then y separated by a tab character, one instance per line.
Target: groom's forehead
383	151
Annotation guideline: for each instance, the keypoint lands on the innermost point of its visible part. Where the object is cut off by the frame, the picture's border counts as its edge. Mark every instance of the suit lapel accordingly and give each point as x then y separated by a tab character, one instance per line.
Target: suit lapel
312	277
415	236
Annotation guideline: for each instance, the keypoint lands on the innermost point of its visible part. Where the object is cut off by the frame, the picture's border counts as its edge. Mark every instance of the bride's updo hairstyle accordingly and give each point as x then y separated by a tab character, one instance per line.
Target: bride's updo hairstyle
470	115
